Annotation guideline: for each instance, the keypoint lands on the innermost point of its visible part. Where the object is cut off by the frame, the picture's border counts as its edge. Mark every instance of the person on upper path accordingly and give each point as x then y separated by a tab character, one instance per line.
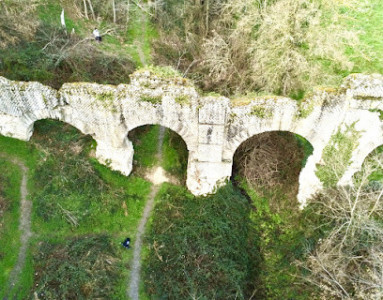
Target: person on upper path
97	35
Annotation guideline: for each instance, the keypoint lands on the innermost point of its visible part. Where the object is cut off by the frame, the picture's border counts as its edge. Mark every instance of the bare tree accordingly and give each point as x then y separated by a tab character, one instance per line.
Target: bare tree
348	262
275	46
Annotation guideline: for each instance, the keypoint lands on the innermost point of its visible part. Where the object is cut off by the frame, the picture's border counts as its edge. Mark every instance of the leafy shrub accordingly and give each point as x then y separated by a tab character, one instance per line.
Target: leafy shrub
201	248
85	267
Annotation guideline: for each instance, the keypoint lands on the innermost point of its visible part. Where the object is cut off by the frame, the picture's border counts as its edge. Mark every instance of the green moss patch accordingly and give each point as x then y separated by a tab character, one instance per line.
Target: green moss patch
261	112
151	99
182	99
337	155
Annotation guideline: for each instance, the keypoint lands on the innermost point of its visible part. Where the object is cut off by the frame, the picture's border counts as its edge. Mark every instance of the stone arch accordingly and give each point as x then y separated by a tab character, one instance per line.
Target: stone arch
31	126
306	154
173	148
178	128
232	145
358	158
185	142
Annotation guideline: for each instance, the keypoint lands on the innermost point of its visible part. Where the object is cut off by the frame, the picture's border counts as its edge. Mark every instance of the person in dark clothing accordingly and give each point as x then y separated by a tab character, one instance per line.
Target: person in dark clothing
126	243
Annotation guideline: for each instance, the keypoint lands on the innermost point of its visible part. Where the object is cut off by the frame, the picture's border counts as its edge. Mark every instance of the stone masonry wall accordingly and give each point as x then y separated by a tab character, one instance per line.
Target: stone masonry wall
212	127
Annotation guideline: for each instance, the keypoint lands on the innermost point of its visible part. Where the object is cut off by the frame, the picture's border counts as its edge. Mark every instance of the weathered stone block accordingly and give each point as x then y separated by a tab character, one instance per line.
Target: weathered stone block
212	153
211	134
212	113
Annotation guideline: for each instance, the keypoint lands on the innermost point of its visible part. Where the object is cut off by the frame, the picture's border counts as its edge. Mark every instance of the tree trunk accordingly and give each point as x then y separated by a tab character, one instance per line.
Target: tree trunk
127	11
114	11
85	10
207	17
91	9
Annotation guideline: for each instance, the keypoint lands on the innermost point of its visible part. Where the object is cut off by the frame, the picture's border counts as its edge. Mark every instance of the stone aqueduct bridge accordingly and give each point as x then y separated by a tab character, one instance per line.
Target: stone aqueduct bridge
212	126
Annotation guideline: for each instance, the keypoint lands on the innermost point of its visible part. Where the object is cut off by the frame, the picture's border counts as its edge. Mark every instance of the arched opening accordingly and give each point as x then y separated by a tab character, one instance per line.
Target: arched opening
271	162
158	146
372	167
60	136
266	167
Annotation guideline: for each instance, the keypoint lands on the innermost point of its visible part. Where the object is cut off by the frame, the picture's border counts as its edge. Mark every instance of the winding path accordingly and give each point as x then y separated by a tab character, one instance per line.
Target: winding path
25	230
133	288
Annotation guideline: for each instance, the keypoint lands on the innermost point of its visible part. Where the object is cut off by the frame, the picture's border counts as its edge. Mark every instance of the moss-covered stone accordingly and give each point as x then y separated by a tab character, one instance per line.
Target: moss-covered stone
105	97
337	155
151	99
182	99
261	112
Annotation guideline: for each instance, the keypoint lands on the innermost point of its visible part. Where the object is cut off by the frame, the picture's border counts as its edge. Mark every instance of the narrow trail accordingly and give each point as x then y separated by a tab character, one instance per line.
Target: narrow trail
139	43
133	288
140	53
25	230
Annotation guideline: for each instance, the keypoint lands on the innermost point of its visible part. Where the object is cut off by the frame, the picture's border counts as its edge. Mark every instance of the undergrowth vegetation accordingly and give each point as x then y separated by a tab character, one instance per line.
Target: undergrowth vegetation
346	263
284	238
284	46
266	167
201	248
36	47
92	263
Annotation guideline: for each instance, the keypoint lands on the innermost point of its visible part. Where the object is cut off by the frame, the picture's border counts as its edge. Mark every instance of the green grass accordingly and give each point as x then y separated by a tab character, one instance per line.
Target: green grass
366	19
140	30
22	287
10	179
175	155
145	140
14	148
174	151
283	241
26	152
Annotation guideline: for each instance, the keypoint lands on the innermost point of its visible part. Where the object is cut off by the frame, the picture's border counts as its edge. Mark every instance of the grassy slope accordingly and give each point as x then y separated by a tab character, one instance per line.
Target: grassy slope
367	21
9	233
23	151
119	221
